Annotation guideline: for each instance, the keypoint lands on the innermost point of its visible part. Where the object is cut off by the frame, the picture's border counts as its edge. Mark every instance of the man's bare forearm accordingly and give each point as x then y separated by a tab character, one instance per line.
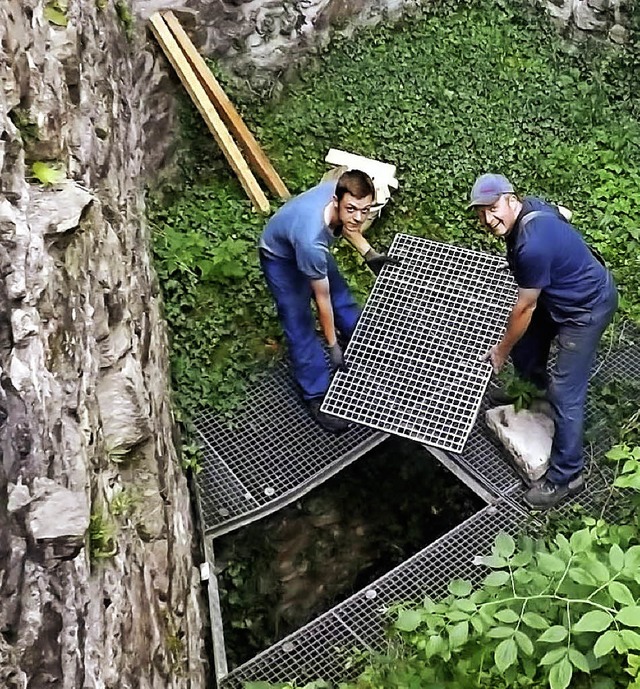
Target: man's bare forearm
520	318
325	316
357	241
322	295
516	326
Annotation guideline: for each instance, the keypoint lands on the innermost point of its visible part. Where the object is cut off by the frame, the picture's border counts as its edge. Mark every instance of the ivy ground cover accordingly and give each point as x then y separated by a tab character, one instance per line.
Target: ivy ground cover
444	94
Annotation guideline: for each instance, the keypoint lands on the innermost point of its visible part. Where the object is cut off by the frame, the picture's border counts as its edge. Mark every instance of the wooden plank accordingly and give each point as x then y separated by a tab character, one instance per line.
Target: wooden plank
230	116
214	122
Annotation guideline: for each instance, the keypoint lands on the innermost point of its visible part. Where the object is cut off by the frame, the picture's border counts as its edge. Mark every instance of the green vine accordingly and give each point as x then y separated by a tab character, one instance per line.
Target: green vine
445	94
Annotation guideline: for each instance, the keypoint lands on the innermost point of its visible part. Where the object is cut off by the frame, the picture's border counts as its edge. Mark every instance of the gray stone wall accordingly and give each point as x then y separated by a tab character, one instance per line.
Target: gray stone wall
97	582
260	41
582	18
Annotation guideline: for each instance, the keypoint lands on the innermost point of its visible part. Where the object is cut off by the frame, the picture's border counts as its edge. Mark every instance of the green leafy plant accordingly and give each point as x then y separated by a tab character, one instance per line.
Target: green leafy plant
55	12
47	174
523	392
126	18
191	457
120	455
614	405
543	613
221	317
102	536
176	647
123	503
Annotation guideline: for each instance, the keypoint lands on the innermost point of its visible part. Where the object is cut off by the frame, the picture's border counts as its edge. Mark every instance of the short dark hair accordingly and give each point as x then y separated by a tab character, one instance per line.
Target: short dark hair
356	183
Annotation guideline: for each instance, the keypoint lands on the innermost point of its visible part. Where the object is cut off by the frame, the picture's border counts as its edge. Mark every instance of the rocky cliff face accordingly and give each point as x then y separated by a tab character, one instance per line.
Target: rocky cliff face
97	585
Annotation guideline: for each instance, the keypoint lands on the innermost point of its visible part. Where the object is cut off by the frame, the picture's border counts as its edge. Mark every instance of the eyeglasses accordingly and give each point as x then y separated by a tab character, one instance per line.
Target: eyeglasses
352	210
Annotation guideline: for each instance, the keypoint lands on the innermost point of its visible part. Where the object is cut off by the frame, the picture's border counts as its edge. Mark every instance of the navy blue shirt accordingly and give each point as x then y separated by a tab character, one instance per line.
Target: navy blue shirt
549	254
298	231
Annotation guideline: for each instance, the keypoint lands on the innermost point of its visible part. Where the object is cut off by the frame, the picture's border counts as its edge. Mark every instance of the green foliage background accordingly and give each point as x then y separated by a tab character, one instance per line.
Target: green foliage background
445	94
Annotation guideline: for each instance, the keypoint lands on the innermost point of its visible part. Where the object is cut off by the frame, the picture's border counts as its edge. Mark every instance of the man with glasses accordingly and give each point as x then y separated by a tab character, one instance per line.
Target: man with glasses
298	266
564	293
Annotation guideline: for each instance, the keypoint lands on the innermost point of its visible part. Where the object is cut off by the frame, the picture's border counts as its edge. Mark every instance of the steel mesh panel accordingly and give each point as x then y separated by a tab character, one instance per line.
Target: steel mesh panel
272	453
321	648
221	492
620	357
414	366
429	572
484	458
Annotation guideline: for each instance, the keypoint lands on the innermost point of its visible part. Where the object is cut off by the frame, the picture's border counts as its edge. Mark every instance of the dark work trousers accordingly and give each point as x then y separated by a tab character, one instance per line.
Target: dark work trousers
292	293
568	380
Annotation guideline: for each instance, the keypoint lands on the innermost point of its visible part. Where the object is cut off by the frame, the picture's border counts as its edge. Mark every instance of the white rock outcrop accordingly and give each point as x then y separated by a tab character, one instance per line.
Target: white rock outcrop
526	435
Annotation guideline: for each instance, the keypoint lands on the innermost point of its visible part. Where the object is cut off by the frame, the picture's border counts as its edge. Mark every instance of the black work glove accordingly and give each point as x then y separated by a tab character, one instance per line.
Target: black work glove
376	261
336	358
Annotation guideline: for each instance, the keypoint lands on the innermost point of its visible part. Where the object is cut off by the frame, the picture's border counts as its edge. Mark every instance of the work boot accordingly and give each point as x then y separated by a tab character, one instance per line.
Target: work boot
333	424
545	494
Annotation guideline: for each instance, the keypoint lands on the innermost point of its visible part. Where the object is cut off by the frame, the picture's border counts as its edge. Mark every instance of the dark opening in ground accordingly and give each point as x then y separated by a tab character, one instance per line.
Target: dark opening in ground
281	572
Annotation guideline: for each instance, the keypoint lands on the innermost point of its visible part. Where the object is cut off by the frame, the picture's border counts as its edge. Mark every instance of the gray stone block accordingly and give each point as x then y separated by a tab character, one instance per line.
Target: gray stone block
526	435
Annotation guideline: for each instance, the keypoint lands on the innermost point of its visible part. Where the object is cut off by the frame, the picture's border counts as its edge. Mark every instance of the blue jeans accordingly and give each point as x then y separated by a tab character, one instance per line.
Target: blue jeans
292	293
567	382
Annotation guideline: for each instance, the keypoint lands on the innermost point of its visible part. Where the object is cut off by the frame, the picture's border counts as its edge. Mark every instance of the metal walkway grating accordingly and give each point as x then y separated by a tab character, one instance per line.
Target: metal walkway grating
414	358
486	462
322	648
325	647
273	453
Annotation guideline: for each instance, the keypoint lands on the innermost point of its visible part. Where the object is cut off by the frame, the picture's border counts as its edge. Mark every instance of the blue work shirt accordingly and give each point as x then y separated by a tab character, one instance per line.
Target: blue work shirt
549	254
298	231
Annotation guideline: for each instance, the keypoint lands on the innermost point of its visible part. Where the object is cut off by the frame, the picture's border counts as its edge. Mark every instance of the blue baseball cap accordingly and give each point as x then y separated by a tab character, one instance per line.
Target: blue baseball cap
488	188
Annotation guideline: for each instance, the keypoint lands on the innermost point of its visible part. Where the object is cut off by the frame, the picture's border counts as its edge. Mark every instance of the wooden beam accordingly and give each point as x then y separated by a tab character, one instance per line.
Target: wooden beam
214	122
230	116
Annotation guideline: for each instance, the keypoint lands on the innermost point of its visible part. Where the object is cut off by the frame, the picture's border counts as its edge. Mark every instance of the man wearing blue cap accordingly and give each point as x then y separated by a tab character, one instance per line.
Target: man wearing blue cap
298	266
564	293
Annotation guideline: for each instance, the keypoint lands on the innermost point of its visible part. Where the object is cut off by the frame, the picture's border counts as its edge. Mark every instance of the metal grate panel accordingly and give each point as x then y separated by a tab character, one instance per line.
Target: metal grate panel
414	366
485	458
322	648
487	462
271	454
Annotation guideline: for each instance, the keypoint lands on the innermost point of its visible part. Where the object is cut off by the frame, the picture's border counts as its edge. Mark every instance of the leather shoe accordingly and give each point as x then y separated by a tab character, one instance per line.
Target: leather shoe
498	397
